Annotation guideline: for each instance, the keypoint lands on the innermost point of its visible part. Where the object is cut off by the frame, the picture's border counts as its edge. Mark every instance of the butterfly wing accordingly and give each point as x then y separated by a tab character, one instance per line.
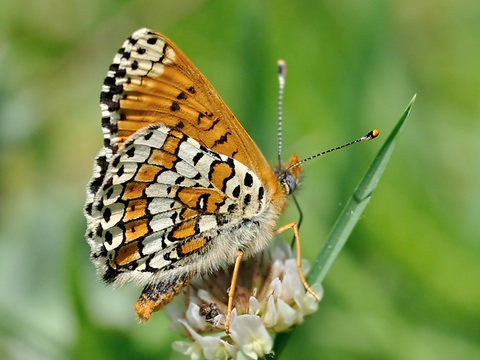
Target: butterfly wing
152	81
165	203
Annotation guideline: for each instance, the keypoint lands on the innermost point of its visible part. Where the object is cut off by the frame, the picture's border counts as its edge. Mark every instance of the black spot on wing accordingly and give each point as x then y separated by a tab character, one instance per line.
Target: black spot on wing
175	106
197	158
107	213
236	191
152	40
108	237
247	199
248	180
130	152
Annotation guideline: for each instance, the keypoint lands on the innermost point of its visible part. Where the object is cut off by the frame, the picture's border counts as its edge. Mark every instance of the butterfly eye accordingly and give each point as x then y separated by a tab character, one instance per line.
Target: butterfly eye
287	180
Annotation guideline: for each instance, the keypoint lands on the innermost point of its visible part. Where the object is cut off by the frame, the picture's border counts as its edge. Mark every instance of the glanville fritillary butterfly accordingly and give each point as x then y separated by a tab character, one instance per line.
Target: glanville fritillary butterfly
179	188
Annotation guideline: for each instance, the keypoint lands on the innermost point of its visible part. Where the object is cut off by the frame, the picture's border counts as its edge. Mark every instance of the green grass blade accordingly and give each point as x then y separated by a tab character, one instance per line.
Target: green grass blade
350	215
355	205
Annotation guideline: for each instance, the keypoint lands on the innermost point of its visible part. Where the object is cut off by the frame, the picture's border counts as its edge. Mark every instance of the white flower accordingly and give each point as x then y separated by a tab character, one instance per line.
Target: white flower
269	298
204	347
250	336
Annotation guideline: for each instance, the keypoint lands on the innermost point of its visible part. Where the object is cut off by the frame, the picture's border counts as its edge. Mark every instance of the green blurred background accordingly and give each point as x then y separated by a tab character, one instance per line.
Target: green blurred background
407	285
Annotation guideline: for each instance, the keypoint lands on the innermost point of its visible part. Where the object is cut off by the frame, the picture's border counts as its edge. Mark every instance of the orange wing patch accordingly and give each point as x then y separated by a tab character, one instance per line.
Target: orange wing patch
172	142
134	190
188	213
219	174
136	229
202	199
127	254
147	173
136	209
193	245
184	230
163	158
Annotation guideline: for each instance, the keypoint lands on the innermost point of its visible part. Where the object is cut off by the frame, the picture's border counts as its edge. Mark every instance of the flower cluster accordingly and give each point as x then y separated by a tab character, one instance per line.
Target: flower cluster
269	298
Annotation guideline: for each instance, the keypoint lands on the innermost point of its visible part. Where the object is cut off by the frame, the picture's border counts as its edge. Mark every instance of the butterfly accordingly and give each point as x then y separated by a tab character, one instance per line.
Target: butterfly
179	189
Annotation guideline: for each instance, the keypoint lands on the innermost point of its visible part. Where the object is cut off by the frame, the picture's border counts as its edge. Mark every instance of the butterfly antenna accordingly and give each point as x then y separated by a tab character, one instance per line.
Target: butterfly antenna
371	135
282	72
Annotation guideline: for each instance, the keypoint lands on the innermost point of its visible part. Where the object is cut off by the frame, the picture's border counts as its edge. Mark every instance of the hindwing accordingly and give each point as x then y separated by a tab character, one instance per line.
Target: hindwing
163	198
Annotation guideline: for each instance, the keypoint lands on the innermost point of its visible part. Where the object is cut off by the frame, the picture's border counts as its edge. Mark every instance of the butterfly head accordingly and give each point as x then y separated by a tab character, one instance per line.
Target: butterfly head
289	176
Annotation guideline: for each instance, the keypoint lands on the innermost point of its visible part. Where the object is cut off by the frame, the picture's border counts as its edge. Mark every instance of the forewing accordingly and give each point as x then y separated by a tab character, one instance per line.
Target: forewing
152	81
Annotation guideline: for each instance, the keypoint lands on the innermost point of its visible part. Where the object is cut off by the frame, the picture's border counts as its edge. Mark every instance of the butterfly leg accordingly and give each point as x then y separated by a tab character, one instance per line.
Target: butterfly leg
231	291
155	296
294	226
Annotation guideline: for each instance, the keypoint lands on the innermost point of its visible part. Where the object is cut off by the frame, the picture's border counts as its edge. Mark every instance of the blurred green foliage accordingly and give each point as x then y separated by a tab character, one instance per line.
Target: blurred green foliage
406	285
